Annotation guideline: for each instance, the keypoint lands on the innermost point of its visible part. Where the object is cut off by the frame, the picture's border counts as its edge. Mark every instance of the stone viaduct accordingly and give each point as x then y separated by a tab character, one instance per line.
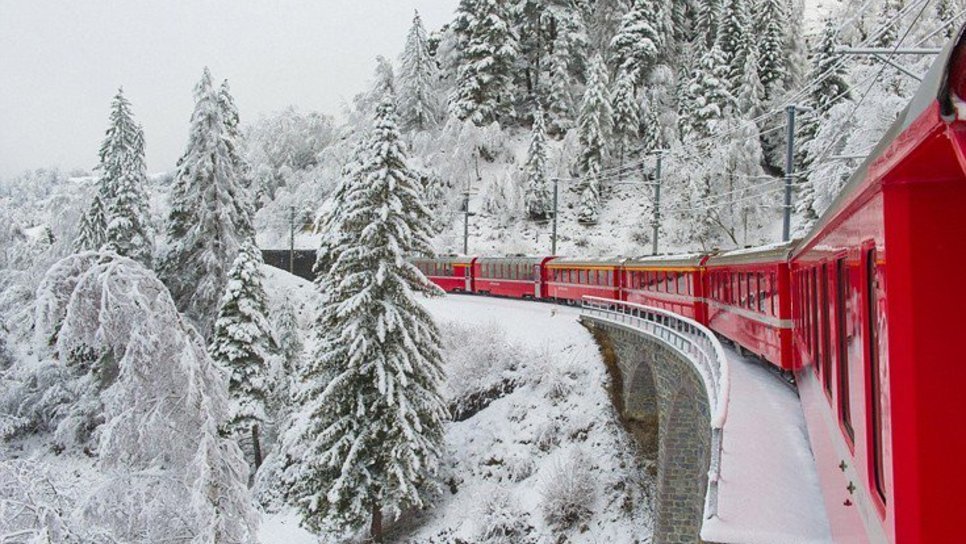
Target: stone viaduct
660	387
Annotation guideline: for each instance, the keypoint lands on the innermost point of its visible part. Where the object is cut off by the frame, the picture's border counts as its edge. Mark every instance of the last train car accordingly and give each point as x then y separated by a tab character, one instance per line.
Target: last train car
877	295
453	273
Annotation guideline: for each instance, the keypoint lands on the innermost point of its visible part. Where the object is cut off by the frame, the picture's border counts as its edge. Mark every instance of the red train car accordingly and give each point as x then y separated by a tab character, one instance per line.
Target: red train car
571	279
743	292
671	283
877	294
454	274
517	277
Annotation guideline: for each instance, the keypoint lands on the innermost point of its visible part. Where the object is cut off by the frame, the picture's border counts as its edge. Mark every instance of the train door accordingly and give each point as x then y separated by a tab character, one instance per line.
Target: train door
536	282
468	278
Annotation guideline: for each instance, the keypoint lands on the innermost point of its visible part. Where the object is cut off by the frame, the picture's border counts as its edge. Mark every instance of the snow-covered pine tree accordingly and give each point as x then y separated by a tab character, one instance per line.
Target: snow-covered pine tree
603	19
594	130
242	343
829	72
560	101
796	50
627	115
639	42
121	186
210	213
887	24
229	113
368	436
483	92
288	338
706	21
418	77
707	98
946	10
734	39
93	224
538	197
770	19
751	91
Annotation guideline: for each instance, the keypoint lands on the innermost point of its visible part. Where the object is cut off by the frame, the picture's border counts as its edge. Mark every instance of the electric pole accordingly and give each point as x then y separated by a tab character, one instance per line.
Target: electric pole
656	220
789	170
466	221
291	240
553	238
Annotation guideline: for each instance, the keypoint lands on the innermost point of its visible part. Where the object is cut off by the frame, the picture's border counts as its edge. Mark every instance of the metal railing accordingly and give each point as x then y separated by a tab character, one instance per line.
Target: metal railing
694	342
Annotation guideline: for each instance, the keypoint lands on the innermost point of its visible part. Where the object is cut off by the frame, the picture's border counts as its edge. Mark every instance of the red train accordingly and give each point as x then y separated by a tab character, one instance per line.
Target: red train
865	311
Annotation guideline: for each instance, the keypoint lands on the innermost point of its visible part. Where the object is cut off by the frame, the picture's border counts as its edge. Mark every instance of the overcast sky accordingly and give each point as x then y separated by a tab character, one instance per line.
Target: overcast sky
62	61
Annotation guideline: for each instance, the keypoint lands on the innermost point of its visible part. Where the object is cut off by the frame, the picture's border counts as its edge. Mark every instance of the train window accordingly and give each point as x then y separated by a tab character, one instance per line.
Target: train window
582	276
826	333
872	352
843	335
610	278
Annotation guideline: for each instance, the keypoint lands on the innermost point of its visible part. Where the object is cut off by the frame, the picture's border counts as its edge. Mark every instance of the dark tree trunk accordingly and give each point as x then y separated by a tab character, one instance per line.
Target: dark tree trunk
256	447
376	529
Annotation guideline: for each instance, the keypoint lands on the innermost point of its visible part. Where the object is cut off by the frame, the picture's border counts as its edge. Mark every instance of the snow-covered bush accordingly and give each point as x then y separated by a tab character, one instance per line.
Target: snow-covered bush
569	493
501	520
35	505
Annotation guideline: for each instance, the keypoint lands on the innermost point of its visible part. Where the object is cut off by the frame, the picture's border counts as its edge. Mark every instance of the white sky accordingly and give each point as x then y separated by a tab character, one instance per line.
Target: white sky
61	61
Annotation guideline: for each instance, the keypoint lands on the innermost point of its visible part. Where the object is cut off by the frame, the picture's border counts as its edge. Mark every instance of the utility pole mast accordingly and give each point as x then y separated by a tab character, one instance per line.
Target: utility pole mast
466	221
291	239
656	220
553	239
789	170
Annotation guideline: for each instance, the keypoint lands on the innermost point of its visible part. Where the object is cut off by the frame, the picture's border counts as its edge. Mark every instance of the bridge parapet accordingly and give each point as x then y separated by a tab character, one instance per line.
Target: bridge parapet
677	368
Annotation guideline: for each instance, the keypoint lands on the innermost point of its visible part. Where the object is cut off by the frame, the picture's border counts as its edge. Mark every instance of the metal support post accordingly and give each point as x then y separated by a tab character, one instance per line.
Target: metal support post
553	238
789	170
656	221
291	240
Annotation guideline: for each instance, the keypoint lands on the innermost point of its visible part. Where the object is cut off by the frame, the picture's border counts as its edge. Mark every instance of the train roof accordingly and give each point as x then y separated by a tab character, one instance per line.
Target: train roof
665	261
529	259
564	262
934	87
762	254
454	259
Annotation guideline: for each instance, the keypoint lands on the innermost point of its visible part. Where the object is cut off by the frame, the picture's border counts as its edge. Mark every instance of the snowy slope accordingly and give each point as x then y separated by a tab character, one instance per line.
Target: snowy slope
545	419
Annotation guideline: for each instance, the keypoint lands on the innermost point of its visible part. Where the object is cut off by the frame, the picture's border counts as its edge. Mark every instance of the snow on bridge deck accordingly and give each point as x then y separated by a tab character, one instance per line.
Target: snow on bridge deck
769	491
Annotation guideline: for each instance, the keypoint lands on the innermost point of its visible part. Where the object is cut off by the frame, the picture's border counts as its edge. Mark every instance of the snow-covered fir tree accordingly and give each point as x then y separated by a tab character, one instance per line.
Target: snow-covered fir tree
91	233
560	100
242	343
706	20
734	39
751	91
707	97
119	214
627	115
828	71
946	10
538	197
796	49
639	43
233	141
418	79
603	21
486	52
770	21
368	436
594	127
210	211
